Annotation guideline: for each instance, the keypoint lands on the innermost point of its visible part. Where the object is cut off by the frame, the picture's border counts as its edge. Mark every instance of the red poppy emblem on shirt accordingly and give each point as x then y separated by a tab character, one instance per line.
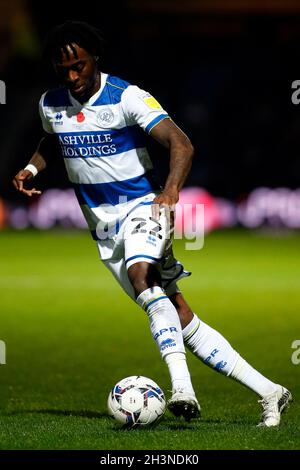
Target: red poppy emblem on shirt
80	117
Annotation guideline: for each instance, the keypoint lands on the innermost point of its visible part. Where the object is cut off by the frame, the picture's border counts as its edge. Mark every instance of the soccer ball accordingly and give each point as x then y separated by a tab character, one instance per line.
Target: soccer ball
136	401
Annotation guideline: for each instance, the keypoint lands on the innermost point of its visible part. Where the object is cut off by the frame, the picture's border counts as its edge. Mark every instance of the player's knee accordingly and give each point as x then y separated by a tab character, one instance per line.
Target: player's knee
143	275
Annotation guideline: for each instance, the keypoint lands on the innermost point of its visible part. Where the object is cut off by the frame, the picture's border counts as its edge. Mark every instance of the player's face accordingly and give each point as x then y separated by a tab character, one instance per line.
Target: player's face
77	70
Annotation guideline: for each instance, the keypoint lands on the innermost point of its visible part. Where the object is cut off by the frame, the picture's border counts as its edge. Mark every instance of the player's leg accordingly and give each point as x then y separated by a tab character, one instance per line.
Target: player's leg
176	361
215	351
145	241
166	330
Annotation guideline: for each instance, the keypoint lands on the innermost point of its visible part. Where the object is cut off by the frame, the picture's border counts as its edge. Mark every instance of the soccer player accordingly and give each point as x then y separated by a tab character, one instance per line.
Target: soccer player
100	122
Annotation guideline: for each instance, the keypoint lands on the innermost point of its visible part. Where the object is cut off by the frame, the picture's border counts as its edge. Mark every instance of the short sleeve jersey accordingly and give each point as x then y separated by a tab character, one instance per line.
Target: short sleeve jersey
103	141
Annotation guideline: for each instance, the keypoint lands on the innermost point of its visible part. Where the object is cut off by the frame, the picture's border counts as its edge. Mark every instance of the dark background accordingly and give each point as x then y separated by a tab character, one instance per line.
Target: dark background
223	71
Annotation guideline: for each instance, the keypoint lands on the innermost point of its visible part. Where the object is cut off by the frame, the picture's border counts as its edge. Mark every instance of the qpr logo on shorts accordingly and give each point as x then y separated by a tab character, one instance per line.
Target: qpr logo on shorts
105	117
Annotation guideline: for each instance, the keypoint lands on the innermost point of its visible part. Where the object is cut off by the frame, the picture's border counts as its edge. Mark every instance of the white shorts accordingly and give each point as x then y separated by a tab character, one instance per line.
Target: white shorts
142	238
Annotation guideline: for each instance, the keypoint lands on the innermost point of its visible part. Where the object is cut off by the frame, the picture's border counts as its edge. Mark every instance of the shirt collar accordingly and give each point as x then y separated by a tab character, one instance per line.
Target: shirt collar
94	97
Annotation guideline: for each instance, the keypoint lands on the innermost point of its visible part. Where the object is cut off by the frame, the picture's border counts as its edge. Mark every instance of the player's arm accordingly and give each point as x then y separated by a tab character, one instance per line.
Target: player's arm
181	155
39	161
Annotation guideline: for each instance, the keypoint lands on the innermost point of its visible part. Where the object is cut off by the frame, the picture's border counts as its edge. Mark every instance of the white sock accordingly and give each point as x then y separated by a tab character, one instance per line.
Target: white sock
179	372
166	330
211	347
251	378
164	321
215	351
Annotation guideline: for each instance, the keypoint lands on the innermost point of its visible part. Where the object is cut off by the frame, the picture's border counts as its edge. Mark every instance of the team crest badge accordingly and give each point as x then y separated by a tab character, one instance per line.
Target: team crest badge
105	117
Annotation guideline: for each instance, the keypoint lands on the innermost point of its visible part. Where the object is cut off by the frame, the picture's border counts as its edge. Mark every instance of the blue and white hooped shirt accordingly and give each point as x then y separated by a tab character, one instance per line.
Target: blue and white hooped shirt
103	142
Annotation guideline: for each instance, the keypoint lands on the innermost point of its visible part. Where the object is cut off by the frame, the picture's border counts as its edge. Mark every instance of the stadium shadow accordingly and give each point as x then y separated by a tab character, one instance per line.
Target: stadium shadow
76	413
210	422
180	426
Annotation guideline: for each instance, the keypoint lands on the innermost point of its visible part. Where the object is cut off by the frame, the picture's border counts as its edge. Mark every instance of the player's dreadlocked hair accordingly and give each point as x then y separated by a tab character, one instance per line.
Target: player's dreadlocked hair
73	32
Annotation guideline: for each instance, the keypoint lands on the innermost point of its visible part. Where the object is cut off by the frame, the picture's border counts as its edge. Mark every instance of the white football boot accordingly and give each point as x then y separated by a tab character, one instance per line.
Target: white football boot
184	404
273	405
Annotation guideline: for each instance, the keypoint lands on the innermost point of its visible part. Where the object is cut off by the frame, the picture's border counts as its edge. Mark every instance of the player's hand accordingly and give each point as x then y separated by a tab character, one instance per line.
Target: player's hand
166	200
23	177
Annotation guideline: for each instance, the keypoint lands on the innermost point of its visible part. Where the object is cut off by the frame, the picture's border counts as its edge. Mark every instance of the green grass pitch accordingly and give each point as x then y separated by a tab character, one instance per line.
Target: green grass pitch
71	334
